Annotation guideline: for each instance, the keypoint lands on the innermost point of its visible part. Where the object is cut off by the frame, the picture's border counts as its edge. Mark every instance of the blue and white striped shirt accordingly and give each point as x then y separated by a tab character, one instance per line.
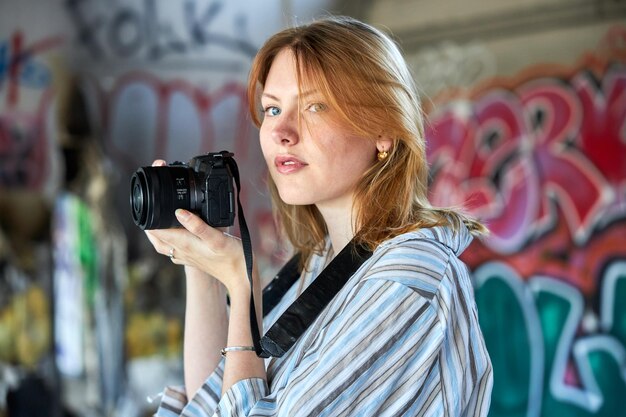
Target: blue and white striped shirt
400	339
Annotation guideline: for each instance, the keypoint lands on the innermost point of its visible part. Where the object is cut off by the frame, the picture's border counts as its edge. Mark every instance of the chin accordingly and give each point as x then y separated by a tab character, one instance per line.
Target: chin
295	197
296	200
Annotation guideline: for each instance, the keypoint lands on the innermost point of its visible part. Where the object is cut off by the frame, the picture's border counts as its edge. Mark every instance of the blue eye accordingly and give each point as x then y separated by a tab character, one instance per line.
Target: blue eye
271	111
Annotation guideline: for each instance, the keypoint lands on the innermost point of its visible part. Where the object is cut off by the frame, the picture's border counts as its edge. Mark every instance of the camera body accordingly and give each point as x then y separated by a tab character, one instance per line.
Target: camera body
203	186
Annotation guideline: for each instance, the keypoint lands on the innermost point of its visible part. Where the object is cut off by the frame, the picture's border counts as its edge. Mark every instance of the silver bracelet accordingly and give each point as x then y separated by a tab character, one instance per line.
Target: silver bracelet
236	349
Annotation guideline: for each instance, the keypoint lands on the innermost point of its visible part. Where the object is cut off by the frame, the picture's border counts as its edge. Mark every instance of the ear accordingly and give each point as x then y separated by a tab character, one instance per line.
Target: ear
383	143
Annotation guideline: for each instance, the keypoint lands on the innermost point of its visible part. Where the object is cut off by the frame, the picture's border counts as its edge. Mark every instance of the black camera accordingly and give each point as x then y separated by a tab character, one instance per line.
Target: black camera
203	186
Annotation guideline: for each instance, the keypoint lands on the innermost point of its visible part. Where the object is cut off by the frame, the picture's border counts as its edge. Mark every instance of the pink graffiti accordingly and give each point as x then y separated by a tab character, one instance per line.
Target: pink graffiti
566	174
521	158
603	131
475	164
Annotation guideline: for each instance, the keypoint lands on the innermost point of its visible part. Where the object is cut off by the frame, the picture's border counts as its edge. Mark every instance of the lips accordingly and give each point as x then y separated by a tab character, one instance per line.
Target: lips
288	164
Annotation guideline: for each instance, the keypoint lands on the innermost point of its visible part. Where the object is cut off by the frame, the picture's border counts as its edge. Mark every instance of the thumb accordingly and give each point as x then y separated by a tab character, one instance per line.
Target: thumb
196	225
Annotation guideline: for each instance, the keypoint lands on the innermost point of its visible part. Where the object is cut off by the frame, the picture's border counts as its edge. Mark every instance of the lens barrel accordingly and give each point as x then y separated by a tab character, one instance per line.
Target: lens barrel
156	193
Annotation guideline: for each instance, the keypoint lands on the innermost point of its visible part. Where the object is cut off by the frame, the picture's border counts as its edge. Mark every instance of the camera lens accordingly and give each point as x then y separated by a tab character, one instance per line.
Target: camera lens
137	199
156	193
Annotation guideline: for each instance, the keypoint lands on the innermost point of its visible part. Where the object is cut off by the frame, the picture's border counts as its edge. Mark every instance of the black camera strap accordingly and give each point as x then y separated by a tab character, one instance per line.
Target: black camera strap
307	307
278	287
246	242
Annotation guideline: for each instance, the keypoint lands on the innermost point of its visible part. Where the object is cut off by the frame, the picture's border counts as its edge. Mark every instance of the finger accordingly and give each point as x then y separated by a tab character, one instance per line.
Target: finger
164	247
172	255
160	246
159	163
197	226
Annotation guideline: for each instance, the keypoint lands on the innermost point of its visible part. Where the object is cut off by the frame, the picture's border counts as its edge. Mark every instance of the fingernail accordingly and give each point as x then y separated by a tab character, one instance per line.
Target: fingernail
182	214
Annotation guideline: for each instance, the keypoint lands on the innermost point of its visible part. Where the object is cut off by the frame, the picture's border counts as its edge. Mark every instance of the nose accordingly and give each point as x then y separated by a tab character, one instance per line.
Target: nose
285	130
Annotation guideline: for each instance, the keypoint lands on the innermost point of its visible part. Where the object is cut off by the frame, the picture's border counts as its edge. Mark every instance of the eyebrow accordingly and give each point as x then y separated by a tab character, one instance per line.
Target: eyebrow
303	95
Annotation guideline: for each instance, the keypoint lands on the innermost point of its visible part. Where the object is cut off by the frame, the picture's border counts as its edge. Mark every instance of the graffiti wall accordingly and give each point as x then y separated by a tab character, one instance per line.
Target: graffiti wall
29	178
25	99
167	80
542	158
154	79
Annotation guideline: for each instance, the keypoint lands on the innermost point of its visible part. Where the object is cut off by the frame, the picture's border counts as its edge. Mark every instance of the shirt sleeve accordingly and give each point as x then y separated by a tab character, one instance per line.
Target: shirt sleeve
238	400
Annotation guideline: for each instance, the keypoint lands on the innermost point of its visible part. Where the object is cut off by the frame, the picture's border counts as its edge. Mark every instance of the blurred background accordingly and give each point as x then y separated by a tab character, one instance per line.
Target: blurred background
527	128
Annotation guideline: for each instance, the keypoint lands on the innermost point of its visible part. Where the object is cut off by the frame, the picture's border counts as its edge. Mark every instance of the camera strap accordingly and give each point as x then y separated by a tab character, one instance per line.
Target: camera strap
278	287
246	242
306	308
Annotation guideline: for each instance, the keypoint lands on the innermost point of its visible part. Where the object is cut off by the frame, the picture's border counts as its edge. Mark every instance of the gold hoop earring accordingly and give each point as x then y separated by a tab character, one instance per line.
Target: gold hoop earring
382	155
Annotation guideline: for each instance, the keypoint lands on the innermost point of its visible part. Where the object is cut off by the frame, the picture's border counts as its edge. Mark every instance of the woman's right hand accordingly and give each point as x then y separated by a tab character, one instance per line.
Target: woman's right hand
198	245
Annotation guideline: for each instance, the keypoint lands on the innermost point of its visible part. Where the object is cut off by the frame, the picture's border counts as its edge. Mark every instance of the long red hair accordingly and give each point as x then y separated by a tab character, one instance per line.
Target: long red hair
361	73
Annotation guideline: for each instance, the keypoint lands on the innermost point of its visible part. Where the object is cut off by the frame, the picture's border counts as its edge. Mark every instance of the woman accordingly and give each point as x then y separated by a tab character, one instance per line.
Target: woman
341	131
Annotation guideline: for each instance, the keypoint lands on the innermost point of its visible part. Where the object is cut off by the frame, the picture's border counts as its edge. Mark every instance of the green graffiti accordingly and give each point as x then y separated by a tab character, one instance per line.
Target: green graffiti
513	337
613	313
543	366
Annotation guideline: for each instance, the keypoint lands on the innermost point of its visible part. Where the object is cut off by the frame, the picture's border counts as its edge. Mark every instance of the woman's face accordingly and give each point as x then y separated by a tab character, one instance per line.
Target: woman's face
317	161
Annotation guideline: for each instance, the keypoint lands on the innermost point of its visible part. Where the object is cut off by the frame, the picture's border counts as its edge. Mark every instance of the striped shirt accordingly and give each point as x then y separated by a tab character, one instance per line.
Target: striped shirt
401	338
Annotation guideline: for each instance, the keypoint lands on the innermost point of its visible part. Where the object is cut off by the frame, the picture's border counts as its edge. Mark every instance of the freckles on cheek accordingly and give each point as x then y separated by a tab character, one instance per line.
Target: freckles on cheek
263	141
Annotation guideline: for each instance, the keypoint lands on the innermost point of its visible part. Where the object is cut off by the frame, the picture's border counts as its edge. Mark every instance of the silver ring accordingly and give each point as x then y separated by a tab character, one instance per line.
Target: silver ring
229	235
171	254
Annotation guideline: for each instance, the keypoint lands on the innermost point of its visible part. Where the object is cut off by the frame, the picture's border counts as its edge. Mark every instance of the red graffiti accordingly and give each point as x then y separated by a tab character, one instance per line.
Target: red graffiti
557	256
603	130
14	67
565	173
25	135
21	68
544	164
160	100
476	162
25	144
523	157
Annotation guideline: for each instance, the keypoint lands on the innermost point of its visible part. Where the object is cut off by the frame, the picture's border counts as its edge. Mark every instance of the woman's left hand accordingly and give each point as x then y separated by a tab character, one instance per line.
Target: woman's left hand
201	246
